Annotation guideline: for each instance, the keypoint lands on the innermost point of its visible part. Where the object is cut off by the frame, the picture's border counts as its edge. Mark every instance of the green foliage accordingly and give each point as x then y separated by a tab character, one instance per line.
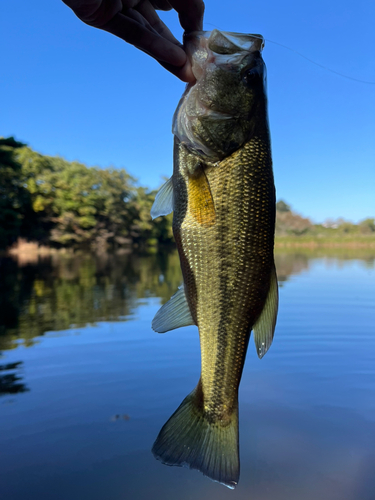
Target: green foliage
143	227
281	207
14	198
287	222
67	204
291	225
367	226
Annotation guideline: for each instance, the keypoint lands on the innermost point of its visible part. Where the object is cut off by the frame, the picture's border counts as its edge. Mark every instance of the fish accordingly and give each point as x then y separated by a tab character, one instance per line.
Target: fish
222	195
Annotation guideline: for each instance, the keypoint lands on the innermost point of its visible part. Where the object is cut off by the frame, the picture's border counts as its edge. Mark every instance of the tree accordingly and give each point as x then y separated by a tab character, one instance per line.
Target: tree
145	231
14	198
281	207
367	226
67	204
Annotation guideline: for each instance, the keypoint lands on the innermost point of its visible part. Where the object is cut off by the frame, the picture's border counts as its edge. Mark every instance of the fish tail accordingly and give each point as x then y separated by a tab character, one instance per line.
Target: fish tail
189	438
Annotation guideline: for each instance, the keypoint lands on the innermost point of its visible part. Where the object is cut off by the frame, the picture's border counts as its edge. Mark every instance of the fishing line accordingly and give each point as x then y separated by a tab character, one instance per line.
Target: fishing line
326	68
321	65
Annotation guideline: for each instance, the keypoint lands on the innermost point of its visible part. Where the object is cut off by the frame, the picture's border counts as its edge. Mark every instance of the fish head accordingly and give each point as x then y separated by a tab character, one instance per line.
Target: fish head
218	113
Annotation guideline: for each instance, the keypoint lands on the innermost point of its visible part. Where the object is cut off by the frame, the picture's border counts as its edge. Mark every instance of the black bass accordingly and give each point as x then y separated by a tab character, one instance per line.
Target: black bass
223	199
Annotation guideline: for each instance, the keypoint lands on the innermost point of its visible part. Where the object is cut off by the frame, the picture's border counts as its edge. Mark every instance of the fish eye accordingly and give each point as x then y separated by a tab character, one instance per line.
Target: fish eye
251	76
253	73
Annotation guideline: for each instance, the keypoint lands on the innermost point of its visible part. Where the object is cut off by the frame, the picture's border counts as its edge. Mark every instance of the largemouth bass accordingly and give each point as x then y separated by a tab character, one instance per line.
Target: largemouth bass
223	200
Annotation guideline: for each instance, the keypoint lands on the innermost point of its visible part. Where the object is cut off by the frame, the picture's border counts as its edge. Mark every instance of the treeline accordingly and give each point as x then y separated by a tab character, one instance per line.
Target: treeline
289	223
67	204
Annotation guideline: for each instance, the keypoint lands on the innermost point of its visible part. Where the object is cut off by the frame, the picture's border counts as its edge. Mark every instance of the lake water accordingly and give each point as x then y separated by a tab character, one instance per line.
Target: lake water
86	385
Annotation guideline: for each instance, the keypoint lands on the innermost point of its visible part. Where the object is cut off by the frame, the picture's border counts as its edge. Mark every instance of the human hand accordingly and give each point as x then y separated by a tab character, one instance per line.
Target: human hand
137	22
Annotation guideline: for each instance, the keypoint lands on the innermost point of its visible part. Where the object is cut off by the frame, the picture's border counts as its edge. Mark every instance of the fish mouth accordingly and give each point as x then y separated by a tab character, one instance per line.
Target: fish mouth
219	47
226	41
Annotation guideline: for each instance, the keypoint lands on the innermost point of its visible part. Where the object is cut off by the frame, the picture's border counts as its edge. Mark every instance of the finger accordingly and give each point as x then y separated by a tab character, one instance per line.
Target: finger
148	12
149	41
137	16
96	13
184	72
161	4
190	13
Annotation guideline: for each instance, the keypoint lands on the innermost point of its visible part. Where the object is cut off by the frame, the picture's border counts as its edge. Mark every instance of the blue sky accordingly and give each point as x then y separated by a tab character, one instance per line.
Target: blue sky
81	93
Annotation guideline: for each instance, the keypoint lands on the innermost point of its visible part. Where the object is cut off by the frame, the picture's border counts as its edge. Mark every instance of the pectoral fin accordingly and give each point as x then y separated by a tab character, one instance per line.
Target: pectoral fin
174	314
265	326
163	204
201	203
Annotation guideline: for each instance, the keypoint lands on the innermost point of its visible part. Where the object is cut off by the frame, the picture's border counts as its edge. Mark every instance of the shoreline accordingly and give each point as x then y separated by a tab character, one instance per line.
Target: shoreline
321	242
281	242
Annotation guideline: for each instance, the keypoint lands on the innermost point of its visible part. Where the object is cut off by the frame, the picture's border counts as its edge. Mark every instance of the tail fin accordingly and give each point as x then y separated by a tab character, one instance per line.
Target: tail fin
190	439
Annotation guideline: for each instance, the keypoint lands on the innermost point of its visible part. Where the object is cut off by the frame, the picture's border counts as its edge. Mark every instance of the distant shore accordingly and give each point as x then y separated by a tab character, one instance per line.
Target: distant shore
310	242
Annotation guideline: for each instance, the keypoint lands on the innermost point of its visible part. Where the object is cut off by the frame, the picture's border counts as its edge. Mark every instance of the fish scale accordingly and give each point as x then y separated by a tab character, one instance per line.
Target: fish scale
227	275
223	200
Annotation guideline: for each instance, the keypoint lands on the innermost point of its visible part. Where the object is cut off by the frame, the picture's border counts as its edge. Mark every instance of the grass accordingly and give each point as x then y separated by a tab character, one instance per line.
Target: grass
326	241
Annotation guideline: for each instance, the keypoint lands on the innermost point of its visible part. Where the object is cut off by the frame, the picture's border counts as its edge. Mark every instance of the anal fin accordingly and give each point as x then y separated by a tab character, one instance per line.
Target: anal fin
265	325
174	314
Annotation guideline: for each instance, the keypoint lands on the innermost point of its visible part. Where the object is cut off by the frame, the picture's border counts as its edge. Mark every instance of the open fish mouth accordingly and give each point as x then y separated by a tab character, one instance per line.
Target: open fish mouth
219	47
223	42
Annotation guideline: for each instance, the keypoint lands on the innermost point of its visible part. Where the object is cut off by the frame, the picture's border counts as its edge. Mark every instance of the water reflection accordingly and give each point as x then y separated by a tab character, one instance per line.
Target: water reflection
292	263
87	403
58	292
10	381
